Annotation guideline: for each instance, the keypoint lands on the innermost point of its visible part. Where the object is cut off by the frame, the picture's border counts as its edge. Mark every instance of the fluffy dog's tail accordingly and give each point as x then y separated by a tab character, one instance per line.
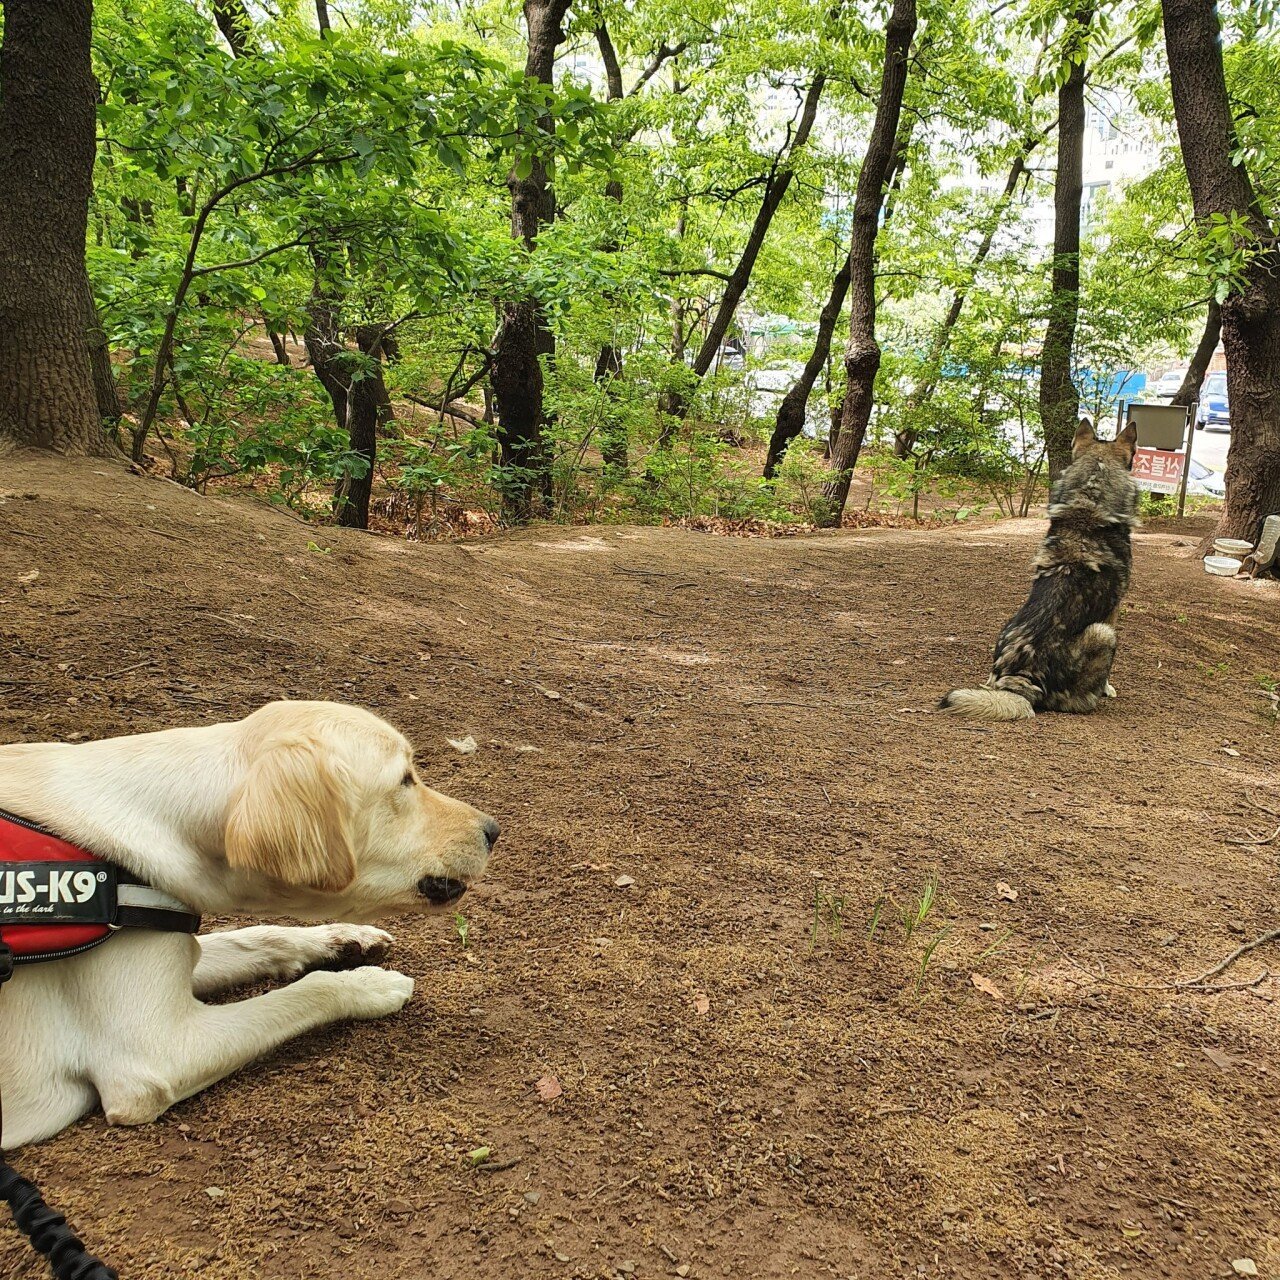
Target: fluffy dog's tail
987	704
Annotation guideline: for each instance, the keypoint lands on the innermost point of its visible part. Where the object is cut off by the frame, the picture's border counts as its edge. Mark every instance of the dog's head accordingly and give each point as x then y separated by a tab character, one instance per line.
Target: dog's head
1119	451
331	801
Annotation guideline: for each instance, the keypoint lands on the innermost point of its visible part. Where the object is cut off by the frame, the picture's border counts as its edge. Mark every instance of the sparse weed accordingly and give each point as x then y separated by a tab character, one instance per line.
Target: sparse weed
928	955
462	927
997	945
828	915
875	918
1213	669
914	916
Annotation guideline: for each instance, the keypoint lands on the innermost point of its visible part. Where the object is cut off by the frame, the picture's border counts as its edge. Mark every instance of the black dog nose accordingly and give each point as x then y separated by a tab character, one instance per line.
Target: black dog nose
440	889
491	831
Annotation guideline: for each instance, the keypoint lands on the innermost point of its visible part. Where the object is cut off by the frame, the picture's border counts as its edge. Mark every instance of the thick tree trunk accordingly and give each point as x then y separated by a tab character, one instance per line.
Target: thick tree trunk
1059	398
524	337
862	356
1189	391
1220	185
48	100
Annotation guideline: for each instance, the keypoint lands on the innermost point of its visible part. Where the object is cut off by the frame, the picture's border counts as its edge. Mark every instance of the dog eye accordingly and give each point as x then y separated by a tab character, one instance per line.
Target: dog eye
408	779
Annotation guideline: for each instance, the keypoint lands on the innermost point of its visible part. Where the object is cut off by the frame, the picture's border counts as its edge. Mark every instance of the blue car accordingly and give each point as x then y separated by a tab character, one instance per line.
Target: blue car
1215	411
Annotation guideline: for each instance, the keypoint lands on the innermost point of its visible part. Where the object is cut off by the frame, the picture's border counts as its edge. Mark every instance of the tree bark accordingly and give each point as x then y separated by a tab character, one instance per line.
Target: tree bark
613	439
48	103
106	397
368	409
236	26
524	337
791	412
1189	391
1220	184
862	356
1059	398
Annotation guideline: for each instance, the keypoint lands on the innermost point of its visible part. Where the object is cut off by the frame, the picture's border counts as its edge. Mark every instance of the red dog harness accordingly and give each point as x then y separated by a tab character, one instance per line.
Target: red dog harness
57	900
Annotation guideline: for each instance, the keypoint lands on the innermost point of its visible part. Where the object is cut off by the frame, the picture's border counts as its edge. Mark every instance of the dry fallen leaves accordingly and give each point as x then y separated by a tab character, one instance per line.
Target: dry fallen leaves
624	882
986	986
1006	891
701	1003
548	1089
1223	1061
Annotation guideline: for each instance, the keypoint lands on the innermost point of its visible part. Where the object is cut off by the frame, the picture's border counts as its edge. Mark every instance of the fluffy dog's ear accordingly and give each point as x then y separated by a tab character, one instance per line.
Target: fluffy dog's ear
292	817
1083	438
1127	443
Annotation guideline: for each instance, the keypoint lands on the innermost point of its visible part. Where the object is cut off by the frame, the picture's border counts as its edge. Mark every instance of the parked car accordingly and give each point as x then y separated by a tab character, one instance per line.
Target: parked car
1215	411
1167	385
1205	481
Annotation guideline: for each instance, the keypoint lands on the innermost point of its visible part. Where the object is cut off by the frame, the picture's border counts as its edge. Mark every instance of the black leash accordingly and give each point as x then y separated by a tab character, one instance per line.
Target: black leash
45	1227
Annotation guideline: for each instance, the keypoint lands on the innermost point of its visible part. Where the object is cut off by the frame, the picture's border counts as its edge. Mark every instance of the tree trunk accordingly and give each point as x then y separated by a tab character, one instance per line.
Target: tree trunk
793	409
48	102
1220	185
236	26
1189	392
862	356
791	412
105	394
323	340
1059	398
613	439
368	408
524	337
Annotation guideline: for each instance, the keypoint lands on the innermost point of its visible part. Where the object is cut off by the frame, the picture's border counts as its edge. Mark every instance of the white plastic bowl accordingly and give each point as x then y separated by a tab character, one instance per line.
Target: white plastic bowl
1223	566
1237	547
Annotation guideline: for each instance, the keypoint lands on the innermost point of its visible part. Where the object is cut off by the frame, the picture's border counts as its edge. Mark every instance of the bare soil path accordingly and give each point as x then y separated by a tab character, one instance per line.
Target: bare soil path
693	742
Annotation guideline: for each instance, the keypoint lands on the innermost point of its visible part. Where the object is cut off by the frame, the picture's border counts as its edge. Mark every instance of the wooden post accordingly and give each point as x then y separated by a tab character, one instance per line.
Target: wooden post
1192	414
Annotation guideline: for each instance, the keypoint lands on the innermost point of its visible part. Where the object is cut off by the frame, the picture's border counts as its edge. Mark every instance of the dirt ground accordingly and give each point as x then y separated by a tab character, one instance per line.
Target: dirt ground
725	797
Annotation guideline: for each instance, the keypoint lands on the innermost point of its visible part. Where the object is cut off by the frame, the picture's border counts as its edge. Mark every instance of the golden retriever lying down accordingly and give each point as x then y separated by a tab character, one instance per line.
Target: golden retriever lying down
306	809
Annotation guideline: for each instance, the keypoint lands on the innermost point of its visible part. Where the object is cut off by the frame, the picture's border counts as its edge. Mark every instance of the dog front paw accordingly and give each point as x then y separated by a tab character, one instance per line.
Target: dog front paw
370	992
348	946
1110	690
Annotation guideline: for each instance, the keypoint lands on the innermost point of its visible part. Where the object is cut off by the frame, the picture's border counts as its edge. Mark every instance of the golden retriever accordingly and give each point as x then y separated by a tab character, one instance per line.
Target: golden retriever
306	809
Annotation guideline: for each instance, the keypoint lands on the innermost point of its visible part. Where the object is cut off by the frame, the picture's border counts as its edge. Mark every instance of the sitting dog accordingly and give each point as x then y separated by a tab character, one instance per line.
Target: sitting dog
1055	653
307	809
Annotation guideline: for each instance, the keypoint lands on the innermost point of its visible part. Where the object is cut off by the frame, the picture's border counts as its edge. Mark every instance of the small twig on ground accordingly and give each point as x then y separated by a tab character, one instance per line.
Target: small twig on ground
501	1167
1262	808
1258	839
1200	983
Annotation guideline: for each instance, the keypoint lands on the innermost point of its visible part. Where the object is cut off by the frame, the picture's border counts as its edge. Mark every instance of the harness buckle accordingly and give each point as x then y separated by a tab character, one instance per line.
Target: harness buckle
6	962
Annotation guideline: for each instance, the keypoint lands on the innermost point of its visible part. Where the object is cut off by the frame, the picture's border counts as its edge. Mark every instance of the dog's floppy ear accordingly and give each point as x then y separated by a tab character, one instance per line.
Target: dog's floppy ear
1083	438
291	819
1127	443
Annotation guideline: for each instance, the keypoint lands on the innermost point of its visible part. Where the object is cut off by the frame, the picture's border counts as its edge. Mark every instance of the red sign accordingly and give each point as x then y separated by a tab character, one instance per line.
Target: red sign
1159	470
